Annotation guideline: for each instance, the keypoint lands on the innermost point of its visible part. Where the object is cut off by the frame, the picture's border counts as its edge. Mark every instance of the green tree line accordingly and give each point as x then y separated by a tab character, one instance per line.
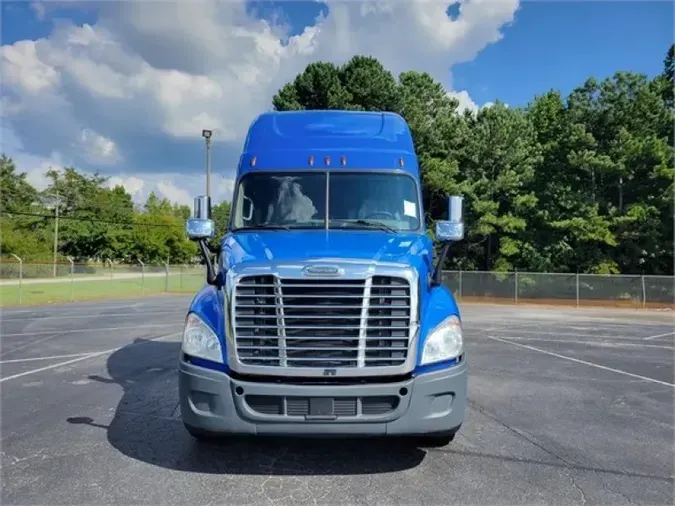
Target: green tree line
95	221
576	183
582	183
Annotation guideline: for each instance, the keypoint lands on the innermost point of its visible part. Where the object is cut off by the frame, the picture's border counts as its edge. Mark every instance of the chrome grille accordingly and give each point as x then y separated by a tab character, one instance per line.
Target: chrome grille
326	323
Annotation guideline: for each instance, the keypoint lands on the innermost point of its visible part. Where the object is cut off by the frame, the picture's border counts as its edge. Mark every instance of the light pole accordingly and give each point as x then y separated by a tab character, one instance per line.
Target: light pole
207	136
56	228
55	197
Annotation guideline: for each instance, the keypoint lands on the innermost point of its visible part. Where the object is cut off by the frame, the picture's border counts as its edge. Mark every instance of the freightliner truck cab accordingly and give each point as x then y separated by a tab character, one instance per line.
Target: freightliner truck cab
324	313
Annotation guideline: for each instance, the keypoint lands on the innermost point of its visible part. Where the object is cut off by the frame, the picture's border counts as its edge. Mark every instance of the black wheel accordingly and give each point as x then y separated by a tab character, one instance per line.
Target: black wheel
436	440
201	435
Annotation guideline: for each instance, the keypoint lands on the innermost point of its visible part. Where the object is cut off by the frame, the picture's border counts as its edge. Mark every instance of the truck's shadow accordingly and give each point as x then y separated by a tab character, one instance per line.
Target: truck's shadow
147	426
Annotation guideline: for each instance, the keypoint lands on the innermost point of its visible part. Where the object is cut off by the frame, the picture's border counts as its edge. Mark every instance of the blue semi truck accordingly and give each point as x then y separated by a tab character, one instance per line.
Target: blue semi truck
324	313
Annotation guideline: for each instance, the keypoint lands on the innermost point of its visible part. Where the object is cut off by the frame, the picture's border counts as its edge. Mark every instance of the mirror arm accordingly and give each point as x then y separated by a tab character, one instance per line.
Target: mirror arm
211	276
437	279
215	249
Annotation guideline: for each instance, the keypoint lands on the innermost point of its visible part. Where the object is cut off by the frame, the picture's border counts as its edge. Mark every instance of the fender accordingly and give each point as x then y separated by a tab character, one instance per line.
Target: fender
208	304
440	305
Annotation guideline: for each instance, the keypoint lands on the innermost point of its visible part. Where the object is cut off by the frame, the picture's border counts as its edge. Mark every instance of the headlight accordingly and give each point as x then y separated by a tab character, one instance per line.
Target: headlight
444	342
200	341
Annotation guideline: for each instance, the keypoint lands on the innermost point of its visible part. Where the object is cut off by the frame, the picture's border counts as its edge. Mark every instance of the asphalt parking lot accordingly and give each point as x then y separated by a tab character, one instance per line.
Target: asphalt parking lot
566	406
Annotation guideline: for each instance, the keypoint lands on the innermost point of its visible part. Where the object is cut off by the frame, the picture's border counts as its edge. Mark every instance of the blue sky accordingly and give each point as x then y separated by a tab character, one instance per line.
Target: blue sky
561	44
152	136
20	19
551	44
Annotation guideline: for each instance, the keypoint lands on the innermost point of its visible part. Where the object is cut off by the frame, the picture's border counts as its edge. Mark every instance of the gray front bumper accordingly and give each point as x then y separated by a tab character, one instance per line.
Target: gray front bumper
429	403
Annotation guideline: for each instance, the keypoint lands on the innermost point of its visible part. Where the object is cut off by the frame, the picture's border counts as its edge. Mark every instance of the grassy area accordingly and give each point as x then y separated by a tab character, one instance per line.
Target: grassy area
190	280
67	291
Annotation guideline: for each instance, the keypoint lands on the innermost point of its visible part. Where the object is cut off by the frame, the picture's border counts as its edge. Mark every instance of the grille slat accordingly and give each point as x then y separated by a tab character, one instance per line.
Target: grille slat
242	338
291	306
302	327
342	406
314	296
280	322
307	348
330	317
313	285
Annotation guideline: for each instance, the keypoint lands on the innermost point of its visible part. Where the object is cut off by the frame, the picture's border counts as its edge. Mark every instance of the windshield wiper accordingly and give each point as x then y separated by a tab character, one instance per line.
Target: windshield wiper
370	224
266	226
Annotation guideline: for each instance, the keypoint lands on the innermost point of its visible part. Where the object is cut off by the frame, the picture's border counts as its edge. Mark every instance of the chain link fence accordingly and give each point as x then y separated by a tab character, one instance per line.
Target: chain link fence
25	283
29	283
562	289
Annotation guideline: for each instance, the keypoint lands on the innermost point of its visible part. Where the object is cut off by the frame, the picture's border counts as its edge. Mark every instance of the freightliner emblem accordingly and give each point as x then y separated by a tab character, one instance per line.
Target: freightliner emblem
322	270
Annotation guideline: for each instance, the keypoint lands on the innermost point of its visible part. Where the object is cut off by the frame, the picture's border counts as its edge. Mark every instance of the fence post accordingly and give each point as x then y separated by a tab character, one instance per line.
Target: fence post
108	261
516	283
72	279
20	277
577	289
142	277
460	284
166	279
644	292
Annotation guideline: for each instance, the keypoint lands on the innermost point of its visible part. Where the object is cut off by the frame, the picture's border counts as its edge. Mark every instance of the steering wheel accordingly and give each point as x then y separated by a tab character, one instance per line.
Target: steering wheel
386	214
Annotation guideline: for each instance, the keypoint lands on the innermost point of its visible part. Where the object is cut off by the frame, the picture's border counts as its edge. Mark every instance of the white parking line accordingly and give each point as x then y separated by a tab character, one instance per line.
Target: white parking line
73	308
572	359
605	344
53	357
80	316
46	368
500	325
90	355
26	345
550	334
658	335
75	331
565	334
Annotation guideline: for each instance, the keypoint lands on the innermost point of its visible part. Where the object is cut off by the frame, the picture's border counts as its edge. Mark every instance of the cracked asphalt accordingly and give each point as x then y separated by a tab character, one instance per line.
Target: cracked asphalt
566	406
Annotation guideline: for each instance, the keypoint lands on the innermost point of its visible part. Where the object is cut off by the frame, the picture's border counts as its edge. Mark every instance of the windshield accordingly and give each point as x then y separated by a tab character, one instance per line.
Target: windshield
355	200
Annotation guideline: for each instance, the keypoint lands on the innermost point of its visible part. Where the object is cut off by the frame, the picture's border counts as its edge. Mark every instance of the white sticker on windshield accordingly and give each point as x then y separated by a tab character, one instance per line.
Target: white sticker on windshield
409	209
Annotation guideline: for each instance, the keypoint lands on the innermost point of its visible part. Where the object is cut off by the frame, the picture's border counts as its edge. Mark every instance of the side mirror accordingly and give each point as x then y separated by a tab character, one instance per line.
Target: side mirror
448	231
198	229
201	226
452	229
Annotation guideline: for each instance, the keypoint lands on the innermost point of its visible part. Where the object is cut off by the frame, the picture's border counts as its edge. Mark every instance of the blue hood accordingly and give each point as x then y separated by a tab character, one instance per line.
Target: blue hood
300	245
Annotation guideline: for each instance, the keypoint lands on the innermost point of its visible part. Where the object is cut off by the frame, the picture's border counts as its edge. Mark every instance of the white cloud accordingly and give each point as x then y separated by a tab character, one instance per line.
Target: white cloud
175	194
35	167
466	102
39	10
98	148
175	187
133	83
23	69
132	184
